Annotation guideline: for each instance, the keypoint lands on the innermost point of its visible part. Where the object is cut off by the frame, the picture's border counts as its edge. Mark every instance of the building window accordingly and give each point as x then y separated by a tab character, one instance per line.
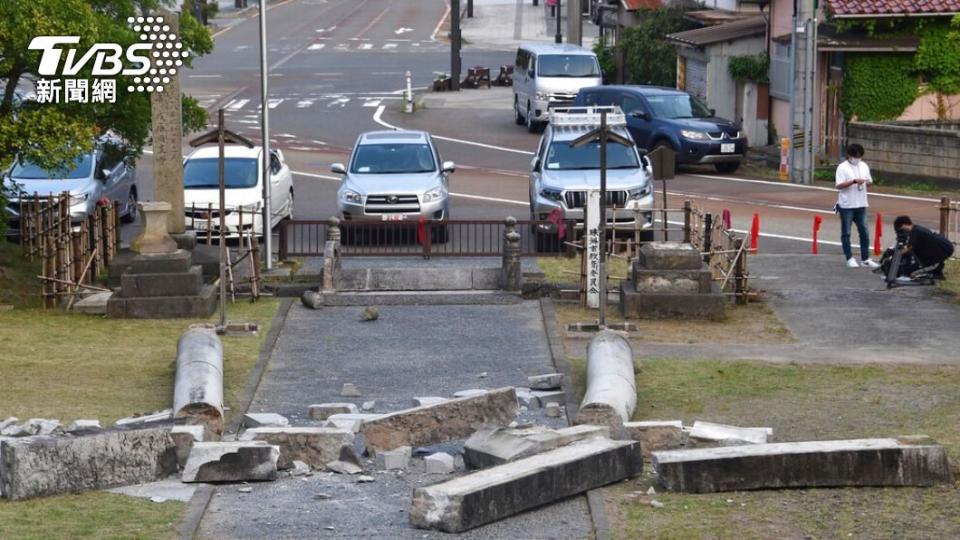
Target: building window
780	77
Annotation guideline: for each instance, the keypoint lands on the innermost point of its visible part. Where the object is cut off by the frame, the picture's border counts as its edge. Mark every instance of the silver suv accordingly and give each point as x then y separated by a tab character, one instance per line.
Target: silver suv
394	176
561	176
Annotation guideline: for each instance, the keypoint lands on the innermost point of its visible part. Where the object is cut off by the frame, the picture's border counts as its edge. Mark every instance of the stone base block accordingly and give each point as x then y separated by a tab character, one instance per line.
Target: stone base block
231	462
636	305
315	446
669	256
491	446
322	411
441	422
858	462
153	285
672	281
491	494
165	307
42	465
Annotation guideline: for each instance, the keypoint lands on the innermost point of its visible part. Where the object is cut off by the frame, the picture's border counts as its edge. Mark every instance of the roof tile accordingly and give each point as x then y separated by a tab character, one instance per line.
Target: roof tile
841	8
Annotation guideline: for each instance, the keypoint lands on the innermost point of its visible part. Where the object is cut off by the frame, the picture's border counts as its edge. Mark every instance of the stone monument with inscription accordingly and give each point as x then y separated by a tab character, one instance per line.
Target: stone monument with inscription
167	133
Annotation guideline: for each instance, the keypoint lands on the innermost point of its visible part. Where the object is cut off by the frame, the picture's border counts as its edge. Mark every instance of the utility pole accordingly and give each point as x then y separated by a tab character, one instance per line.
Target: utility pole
558	37
575	22
455	44
265	135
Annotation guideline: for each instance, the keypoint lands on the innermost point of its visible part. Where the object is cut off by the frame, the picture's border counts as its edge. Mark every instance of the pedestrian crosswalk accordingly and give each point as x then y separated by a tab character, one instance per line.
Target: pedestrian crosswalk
247	110
361	45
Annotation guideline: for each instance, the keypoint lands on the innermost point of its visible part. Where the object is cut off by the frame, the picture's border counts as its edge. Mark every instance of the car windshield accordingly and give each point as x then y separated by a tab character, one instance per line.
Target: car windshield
204	173
568	65
561	157
80	168
393	159
678	106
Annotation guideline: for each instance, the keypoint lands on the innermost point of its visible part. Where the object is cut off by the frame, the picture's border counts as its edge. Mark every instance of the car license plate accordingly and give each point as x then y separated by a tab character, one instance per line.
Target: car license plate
392	217
728	148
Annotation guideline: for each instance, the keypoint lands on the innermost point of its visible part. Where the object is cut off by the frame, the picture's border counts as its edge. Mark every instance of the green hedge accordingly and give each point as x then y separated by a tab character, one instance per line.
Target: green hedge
878	86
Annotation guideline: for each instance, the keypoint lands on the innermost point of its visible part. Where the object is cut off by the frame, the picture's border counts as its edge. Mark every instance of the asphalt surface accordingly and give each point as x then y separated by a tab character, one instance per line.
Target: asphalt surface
404	354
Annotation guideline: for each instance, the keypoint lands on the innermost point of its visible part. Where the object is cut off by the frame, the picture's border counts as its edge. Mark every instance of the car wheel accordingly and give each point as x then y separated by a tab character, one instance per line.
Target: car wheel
727	168
517	117
131	211
531	124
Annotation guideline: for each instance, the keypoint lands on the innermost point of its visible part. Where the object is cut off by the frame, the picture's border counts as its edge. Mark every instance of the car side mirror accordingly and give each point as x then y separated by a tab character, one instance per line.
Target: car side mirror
104	174
713	112
535	164
643	152
338	168
449	167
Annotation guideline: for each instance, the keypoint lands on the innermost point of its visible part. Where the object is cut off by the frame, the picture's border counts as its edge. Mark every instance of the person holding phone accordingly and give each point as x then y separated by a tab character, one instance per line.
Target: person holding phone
852	178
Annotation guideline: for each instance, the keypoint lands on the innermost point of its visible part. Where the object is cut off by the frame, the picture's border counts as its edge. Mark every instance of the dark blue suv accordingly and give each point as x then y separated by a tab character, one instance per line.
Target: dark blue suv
658	116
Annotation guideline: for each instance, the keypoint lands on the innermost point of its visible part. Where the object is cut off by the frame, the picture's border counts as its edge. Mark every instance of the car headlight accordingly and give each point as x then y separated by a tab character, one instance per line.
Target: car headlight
552	194
79	198
434	194
693	135
351	196
641	192
541	96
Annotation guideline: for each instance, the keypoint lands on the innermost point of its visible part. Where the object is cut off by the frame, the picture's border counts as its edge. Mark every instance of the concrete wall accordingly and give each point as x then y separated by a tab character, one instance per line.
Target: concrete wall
780	116
721	88
781	15
909	150
925	108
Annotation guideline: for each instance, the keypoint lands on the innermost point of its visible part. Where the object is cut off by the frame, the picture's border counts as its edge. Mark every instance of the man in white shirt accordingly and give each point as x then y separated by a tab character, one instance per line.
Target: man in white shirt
853	176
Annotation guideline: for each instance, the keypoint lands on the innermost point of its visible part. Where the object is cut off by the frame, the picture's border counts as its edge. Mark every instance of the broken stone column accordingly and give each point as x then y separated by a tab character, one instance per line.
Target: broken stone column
231	462
611	394
440	422
845	463
491	446
331	255
198	390
492	494
315	446
728	435
47	465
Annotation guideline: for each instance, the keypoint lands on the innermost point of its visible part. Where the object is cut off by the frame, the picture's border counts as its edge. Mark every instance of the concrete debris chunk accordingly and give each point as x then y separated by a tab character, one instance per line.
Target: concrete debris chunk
490	445
364	479
554	410
730	435
398	458
439	463
11	421
312	299
45	465
323	411
349	390
368	406
469	393
545	397
352	422
300	468
656	435
428	400
492	494
550	381
370	314
245	490
843	463
315	446
237	461
253	420
146	418
184	438
526	399
84	425
343	467
441	422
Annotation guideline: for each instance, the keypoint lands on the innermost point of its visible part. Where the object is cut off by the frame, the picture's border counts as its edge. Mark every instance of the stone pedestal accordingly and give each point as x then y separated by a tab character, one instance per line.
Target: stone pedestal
154	239
670	280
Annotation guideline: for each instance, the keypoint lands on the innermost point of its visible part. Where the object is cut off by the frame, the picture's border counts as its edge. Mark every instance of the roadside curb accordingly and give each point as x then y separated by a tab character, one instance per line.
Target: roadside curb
188	527
595	503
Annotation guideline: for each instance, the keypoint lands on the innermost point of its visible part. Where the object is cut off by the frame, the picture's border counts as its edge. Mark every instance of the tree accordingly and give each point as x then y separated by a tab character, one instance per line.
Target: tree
648	57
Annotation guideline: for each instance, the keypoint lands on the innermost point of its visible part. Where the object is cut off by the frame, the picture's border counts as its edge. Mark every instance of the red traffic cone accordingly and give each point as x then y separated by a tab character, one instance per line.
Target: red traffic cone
817	220
725	217
755	234
876	236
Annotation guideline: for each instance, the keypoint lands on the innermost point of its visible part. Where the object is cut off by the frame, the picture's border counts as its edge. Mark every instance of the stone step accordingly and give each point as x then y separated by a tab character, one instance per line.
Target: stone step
444	278
95	304
492	494
165	307
843	463
414	298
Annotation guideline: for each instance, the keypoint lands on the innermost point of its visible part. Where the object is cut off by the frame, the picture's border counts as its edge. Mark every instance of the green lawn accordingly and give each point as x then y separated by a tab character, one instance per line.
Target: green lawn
800	402
952	283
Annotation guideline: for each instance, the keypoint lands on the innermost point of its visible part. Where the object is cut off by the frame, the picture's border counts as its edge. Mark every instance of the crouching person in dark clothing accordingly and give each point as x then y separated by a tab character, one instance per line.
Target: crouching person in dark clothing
930	249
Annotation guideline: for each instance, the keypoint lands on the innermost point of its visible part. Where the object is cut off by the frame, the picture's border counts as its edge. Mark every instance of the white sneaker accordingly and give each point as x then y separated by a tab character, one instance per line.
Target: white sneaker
852	263
869	263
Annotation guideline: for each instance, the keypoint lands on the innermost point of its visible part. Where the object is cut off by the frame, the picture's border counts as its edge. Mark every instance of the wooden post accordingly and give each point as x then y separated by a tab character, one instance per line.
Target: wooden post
945	216
687	211
707	235
116	227
740	273
209	223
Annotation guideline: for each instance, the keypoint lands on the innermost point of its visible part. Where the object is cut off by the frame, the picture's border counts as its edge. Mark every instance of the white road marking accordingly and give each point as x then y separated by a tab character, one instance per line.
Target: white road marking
402	30
304	103
316	46
818	188
339	101
327	74
274	103
366	46
331	29
414	44
321	143
376	118
343	45
302	148
204	76
286	135
247	121
236	104
387	73
389	45
400	40
446	13
374	103
241	47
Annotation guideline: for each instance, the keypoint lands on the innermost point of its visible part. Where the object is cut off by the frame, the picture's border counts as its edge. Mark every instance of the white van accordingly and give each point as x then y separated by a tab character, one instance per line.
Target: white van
548	75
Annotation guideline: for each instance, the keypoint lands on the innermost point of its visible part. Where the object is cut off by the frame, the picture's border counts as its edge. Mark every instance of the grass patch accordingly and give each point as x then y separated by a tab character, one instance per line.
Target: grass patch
567	269
19	285
800	402
95	514
67	366
951	285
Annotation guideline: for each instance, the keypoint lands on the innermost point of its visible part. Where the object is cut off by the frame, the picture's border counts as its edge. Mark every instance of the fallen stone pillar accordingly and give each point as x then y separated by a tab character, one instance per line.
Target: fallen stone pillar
198	390
729	435
611	394
845	463
491	446
491	494
440	422
315	446
231	462
47	465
